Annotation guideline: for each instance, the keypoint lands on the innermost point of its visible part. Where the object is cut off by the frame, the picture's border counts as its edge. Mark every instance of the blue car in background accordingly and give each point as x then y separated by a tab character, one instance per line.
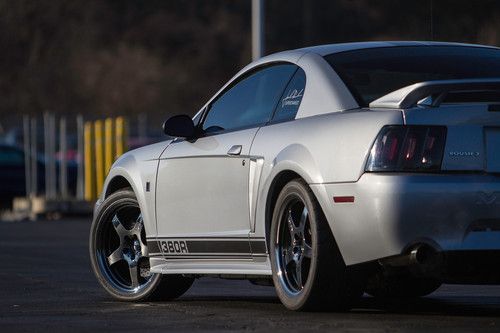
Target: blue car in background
13	177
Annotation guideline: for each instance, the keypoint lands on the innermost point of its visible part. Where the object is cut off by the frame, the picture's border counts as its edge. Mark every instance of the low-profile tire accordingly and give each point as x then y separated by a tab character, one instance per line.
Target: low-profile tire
401	286
309	273
119	253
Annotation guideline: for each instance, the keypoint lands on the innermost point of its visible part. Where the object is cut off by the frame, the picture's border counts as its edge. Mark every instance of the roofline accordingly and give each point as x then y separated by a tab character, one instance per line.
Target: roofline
326	49
294	56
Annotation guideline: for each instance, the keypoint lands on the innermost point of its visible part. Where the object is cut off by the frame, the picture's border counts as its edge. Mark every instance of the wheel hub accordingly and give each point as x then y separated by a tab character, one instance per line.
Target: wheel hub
137	246
132	250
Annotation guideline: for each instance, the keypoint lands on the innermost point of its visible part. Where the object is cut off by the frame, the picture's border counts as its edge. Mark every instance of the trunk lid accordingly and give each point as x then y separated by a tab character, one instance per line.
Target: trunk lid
473	134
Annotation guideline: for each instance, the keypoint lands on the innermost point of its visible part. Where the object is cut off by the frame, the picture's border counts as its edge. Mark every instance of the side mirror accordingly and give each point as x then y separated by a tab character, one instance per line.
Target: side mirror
180	126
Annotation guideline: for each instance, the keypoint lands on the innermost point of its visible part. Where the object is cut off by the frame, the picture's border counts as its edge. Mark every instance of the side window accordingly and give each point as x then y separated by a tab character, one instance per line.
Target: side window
251	101
292	96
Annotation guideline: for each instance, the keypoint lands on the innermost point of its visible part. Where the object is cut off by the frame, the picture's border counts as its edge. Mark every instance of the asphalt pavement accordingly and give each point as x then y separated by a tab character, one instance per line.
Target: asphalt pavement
47	285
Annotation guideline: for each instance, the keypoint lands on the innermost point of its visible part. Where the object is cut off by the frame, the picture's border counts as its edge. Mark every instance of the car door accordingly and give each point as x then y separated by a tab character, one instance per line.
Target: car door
202	194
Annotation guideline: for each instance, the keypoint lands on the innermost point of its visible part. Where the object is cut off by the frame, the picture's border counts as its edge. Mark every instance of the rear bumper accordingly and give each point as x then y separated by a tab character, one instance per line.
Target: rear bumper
463	266
394	212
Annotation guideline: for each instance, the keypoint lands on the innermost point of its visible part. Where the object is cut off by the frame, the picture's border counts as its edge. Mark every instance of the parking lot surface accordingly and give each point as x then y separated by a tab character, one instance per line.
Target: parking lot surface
47	285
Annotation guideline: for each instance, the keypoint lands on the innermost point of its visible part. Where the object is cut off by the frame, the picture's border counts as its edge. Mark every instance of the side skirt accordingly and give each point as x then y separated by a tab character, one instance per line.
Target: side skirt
209	256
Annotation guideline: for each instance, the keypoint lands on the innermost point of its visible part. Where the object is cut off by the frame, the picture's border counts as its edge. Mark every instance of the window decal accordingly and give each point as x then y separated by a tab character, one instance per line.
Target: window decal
293	98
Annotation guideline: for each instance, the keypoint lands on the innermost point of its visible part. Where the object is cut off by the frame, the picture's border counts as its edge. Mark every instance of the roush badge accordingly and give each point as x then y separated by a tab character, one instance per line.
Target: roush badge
464	153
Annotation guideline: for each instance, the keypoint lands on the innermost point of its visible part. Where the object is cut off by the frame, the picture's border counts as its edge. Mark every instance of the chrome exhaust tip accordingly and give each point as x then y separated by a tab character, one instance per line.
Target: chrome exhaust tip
422	254
421	259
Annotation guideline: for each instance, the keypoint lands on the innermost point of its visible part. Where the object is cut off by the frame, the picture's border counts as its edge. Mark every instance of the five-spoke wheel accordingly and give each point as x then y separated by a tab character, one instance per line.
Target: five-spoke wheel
122	250
308	270
119	253
294	246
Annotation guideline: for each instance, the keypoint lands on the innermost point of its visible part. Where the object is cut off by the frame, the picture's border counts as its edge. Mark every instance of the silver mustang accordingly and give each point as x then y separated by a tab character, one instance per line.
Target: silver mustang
327	171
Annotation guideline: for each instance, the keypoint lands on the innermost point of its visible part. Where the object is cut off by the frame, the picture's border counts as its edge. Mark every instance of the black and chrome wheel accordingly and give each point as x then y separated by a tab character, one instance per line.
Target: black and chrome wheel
308	270
293	248
119	253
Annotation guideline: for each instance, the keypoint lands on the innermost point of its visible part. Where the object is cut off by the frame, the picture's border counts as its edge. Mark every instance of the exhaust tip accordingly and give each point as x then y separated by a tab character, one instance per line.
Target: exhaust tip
422	254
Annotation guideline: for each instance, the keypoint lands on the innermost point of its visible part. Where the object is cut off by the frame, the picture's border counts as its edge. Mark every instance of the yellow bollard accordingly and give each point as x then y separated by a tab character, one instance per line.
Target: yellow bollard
120	136
108	145
88	166
99	156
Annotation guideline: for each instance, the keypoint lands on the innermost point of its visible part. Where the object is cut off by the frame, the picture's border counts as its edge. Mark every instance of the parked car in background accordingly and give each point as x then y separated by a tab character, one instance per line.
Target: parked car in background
13	176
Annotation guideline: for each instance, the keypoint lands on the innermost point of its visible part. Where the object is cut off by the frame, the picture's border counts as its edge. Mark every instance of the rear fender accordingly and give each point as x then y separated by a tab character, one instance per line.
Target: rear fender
294	158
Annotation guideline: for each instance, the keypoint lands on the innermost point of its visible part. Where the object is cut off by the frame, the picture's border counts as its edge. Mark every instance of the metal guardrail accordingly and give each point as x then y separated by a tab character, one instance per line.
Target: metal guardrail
99	144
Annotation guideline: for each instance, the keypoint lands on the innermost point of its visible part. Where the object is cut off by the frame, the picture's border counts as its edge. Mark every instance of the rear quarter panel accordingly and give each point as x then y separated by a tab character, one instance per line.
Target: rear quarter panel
330	148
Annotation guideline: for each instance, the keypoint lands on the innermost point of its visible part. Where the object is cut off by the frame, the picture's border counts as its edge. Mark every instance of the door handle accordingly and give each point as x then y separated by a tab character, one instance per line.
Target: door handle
234	150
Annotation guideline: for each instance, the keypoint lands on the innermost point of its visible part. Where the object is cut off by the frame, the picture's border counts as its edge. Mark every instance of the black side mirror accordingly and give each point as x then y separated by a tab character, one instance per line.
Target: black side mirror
180	126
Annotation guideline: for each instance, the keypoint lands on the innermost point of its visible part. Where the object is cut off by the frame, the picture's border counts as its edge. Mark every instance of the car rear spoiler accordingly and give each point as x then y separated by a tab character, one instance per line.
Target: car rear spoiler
432	93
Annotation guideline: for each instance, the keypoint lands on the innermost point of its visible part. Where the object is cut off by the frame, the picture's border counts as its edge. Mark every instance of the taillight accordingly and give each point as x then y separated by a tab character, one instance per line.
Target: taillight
408	148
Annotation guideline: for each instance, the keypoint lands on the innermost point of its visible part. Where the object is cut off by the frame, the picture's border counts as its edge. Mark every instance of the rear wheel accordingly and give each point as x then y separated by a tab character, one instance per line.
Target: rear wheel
308	270
119	253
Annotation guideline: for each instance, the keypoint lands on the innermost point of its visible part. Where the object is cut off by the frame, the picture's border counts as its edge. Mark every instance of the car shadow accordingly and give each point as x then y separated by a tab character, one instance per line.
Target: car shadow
474	306
236	299
477	306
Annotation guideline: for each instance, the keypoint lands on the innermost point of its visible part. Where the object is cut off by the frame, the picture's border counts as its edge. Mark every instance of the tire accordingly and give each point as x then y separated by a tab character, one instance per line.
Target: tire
119	255
301	243
401	286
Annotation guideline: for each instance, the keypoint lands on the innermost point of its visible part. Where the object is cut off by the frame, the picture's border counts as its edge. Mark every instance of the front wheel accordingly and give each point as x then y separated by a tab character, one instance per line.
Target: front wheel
308	270
119	253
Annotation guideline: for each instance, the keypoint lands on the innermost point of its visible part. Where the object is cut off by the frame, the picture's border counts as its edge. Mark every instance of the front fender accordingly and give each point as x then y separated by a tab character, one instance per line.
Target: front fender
139	167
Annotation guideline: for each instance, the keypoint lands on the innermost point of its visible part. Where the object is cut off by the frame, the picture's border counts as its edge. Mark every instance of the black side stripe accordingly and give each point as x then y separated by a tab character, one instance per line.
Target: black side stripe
207	246
229	246
258	246
153	247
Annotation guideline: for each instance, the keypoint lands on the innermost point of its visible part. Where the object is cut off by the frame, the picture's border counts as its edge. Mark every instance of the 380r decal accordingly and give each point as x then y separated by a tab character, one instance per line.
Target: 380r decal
174	246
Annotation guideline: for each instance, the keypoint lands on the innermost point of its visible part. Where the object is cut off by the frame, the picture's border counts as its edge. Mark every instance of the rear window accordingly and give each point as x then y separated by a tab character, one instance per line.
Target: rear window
373	73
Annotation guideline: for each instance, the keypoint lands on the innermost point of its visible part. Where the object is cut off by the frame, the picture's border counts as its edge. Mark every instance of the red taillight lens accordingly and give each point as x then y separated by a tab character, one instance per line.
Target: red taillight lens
408	148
